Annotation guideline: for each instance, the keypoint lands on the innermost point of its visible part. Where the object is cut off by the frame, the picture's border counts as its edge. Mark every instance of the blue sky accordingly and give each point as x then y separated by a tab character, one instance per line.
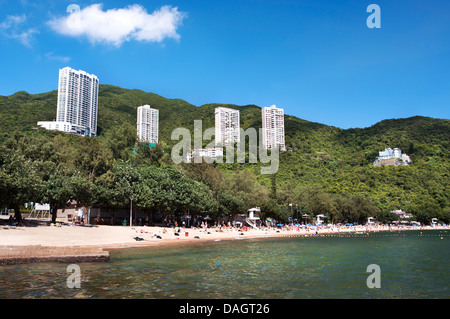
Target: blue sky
317	59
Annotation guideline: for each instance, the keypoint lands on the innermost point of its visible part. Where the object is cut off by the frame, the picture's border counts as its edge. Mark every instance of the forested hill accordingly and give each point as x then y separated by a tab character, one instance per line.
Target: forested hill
326	169
418	136
118	106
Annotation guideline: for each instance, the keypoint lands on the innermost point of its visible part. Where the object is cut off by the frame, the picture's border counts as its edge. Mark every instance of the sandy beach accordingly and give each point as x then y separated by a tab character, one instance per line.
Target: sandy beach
71	243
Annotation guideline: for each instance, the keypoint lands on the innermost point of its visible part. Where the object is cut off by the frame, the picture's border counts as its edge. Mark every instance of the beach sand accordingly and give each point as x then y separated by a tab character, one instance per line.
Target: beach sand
68	243
112	236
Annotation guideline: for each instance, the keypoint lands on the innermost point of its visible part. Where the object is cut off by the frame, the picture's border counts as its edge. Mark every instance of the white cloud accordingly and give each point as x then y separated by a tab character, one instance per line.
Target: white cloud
13	27
13	21
52	56
116	26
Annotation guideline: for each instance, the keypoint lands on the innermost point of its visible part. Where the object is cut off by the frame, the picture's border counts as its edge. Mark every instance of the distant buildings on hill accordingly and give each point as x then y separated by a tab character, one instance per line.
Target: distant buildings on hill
77	112
392	157
227	127
77	106
227	131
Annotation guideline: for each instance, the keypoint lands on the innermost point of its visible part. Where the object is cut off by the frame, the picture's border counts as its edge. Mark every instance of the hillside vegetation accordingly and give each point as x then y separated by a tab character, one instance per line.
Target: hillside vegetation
326	170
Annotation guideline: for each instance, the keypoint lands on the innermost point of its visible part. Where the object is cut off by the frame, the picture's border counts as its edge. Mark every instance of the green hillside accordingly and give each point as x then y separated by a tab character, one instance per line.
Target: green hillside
325	170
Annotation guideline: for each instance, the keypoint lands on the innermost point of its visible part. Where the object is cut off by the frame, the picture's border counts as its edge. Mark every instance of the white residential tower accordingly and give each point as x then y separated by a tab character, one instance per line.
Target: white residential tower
227	127
147	124
77	105
273	128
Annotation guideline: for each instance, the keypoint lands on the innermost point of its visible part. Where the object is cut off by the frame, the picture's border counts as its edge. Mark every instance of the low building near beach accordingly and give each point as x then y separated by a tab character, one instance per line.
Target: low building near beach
250	219
403	217
401	213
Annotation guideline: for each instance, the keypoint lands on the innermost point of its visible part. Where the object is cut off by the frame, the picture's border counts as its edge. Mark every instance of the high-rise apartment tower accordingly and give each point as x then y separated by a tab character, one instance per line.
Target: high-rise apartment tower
273	128
147	124
227	128
77	105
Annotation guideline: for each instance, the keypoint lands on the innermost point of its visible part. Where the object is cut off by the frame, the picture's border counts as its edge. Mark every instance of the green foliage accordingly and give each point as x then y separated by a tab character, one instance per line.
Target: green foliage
244	184
271	209
229	205
326	170
145	154
19	180
56	190
121	140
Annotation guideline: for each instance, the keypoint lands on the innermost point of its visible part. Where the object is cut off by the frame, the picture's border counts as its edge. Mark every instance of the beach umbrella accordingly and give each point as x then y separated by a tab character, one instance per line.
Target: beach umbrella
308	224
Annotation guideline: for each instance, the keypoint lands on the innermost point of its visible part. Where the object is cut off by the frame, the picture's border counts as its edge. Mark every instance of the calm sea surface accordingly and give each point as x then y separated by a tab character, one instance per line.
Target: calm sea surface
412	265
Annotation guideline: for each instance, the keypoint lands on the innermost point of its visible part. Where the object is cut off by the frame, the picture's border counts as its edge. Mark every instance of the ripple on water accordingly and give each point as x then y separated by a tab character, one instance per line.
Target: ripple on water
321	267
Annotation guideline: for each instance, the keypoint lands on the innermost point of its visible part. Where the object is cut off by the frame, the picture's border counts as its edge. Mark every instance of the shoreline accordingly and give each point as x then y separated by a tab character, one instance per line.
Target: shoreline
72	244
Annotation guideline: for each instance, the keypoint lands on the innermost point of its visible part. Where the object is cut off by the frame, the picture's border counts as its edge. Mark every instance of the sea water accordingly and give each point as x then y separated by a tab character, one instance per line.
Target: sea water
412	264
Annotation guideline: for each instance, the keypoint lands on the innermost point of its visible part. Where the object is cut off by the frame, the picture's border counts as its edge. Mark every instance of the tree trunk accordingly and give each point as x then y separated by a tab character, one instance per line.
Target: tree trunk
86	209
54	212
17	214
